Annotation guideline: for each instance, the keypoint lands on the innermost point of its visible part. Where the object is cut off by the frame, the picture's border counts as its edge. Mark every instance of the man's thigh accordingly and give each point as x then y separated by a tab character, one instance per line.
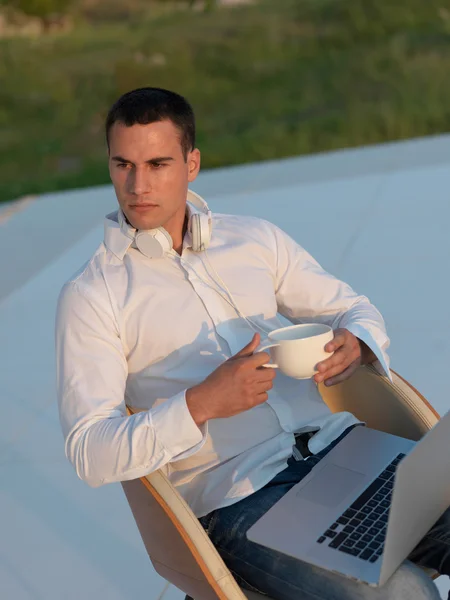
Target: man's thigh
259	568
227	526
284	578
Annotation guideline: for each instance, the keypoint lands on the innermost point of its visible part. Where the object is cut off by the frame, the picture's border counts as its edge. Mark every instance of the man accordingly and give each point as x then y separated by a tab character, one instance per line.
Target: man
167	317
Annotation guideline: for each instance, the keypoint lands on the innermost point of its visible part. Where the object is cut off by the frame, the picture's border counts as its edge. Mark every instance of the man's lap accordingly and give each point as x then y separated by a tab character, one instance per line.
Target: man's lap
267	571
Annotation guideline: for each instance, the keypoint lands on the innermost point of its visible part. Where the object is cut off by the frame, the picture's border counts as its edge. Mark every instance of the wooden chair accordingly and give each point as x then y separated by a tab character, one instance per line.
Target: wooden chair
177	545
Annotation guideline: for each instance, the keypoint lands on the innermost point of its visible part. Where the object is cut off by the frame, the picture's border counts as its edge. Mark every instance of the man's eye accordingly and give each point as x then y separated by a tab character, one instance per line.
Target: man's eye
123	165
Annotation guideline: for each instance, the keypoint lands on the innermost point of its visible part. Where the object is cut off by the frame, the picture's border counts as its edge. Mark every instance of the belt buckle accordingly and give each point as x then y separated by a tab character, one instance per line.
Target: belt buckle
297	454
300	450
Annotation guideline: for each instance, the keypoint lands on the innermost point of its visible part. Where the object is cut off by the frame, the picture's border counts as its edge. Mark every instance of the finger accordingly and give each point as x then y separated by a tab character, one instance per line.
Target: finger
340	336
348	372
262	397
259	359
263	388
350	350
265	375
338	358
336	370
343	337
249	348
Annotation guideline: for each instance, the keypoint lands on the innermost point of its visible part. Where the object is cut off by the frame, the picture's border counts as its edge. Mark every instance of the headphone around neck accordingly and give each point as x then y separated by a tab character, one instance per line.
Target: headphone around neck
155	243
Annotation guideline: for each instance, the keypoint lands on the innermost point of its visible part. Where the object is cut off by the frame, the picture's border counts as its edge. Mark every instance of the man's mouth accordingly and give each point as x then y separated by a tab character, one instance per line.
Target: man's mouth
143	207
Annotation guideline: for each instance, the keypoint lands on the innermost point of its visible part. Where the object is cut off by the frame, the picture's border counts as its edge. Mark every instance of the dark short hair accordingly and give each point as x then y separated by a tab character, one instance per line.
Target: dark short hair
148	105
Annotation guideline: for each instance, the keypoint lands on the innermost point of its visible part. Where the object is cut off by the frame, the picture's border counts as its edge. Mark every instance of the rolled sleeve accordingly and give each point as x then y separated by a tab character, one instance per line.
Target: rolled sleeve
377	341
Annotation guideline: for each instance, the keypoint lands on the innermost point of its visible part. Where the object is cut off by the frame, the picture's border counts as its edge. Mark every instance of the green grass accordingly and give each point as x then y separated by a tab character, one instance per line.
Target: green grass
280	78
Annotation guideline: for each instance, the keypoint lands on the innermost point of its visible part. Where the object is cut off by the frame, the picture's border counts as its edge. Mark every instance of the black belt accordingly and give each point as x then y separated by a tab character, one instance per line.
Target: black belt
301	444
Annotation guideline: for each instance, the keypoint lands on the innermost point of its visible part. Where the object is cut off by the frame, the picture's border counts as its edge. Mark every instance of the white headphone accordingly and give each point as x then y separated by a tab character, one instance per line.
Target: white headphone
155	243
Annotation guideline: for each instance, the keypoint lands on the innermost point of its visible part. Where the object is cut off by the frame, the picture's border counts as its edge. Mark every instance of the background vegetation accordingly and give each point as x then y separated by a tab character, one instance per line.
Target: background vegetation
267	80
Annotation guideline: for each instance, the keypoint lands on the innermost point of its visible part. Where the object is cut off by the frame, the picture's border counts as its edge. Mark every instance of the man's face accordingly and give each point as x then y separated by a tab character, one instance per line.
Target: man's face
150	174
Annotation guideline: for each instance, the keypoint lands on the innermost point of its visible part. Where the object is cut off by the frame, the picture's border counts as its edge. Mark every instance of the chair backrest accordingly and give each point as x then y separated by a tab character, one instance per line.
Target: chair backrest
177	545
396	407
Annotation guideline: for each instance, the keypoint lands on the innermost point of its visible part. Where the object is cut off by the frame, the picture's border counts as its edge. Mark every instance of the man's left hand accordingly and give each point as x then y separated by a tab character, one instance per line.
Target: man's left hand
349	352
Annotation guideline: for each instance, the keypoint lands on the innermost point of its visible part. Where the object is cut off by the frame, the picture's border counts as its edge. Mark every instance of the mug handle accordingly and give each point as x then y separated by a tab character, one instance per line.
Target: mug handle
266	347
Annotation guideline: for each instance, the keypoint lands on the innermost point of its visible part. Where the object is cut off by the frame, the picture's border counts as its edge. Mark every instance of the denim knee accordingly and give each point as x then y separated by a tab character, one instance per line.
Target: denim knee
410	582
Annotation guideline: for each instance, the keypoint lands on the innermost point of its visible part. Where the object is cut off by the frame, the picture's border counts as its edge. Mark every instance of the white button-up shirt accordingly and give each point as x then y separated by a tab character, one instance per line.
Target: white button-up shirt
140	331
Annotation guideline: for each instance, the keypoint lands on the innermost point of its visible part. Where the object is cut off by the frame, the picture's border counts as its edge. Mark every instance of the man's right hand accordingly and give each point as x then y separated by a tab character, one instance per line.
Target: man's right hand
237	385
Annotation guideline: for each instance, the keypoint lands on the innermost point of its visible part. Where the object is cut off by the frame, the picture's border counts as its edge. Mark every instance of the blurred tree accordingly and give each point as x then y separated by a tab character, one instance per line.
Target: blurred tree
45	10
205	4
208	4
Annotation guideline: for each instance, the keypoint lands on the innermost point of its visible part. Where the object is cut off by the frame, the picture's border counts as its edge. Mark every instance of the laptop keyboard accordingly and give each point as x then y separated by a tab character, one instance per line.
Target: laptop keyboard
361	529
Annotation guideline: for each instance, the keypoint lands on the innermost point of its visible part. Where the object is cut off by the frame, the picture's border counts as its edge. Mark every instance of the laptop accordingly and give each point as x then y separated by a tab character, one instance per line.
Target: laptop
365	506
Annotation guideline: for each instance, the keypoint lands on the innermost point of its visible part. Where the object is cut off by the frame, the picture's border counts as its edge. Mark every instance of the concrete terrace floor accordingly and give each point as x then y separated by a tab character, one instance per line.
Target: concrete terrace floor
376	217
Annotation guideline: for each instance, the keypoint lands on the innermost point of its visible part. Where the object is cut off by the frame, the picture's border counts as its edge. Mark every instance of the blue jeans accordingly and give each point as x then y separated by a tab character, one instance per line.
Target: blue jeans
284	578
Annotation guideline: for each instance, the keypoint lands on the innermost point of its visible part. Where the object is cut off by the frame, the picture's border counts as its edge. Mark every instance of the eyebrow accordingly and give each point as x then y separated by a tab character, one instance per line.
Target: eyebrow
157	159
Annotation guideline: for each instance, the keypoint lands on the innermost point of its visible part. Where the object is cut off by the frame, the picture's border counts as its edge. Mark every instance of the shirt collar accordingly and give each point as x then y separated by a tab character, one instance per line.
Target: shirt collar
119	235
117	238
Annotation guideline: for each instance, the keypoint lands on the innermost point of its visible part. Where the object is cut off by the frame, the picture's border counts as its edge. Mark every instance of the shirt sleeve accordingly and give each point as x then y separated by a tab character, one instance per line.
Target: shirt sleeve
306	293
101	441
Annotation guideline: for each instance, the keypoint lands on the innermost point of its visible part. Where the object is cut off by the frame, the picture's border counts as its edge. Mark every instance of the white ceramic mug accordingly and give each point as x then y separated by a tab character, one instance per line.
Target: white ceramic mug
296	350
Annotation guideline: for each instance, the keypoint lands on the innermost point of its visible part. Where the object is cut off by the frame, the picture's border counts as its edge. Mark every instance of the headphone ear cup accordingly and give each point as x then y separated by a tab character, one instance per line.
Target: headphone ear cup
196	232
200	232
154	243
205	226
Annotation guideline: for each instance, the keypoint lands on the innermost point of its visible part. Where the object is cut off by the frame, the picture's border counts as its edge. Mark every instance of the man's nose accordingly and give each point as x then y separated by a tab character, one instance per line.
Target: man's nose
140	182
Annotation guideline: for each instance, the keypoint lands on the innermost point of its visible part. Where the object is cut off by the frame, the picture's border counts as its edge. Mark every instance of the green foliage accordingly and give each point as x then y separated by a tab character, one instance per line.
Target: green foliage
40	8
267	80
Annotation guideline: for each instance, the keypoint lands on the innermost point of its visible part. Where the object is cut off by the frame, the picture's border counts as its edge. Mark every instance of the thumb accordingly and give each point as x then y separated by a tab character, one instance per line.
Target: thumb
249	348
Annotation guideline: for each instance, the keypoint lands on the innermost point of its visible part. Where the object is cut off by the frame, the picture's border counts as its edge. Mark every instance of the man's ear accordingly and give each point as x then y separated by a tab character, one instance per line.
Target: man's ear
193	161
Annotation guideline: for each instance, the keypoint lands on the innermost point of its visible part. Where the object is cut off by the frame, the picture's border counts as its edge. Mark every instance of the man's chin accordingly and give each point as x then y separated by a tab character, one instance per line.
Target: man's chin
143	225
142	222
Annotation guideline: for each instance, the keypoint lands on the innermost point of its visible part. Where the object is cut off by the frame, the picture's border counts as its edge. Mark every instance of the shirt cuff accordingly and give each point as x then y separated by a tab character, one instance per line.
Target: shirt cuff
382	362
175	429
